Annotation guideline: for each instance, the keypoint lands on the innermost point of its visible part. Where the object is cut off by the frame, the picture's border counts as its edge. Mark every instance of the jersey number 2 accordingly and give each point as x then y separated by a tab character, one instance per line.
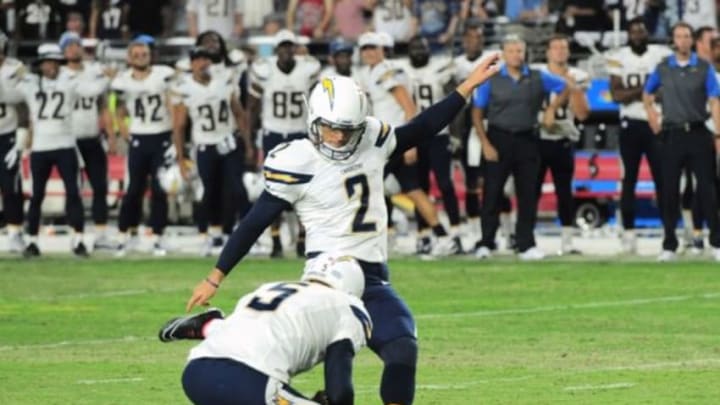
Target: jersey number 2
351	185
270	302
56	97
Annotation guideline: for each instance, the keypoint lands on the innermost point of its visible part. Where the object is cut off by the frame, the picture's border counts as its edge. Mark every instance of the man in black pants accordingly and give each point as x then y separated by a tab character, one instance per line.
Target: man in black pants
557	150
86	114
431	78
143	95
211	103
512	100
629	68
50	97
688	84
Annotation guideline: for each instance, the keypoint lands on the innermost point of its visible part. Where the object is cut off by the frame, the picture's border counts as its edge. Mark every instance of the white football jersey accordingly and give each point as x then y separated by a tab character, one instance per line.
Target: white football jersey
50	102
394	18
564	118
378	82
10	70
284	328
699	13
634	70
340	203
208	107
283	94
217	15
428	82
92	82
146	100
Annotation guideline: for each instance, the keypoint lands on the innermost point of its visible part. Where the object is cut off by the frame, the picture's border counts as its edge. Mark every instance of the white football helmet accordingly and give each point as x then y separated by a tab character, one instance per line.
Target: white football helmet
340	272
339	103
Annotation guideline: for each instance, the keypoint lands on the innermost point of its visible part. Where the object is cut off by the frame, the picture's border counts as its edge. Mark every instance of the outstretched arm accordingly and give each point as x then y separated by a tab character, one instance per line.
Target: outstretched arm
429	122
265	210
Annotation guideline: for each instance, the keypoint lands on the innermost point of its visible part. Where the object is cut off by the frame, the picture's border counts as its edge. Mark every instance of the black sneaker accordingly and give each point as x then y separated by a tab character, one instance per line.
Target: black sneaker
457	248
277	251
300	249
423	246
80	250
188	327
31	250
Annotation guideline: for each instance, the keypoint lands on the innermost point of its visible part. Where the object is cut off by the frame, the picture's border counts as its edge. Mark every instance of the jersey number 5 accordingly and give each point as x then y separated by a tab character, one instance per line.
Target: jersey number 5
351	185
275	296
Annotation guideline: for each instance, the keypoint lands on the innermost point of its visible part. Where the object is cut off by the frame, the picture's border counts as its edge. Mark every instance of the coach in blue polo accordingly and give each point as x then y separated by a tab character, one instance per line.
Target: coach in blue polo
511	101
688	86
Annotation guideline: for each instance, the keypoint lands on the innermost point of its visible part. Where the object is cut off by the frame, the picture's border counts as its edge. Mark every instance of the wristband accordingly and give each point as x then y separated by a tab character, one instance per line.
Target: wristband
212	283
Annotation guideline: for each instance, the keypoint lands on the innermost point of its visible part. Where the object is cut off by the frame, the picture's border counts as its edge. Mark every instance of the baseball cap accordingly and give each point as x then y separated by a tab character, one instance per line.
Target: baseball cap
370	39
49	52
67	38
283	36
386	39
340	45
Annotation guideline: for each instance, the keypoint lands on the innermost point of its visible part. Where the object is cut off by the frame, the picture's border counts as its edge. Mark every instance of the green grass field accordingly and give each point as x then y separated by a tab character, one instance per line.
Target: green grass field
580	332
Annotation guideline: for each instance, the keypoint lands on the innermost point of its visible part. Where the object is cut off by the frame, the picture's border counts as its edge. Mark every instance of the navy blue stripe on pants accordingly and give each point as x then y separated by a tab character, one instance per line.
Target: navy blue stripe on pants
145	156
220	174
10	183
41	164
96	169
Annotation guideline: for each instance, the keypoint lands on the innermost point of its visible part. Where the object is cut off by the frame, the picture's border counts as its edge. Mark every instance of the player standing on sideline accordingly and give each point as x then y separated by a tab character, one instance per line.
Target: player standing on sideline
51	96
275	333
512	100
212	104
334	181
629	69
226	62
143	96
391	101
688	85
473	42
557	150
340	60
85	117
431	79
278	87
12	141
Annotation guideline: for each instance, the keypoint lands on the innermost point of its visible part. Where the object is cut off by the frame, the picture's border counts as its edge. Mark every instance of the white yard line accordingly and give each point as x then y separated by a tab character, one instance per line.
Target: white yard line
613	386
552	308
103	294
54	345
110	381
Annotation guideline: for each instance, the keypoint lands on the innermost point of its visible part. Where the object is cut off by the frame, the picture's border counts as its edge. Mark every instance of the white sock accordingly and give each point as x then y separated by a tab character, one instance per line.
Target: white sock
33	239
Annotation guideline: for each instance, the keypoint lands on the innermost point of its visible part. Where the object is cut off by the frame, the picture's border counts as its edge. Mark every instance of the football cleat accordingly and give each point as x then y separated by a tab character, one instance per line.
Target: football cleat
16	243
31	250
188	327
80	250
532	254
667	256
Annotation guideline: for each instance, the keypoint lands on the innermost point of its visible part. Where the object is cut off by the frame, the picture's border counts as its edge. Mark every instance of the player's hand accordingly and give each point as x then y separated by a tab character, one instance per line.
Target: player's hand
486	69
410	156
201	295
548	119
321	398
489	152
654	121
11	158
184	169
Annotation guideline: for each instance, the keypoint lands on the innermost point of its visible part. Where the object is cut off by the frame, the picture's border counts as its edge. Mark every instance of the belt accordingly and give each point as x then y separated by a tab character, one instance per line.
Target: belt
684	126
285	134
527	132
